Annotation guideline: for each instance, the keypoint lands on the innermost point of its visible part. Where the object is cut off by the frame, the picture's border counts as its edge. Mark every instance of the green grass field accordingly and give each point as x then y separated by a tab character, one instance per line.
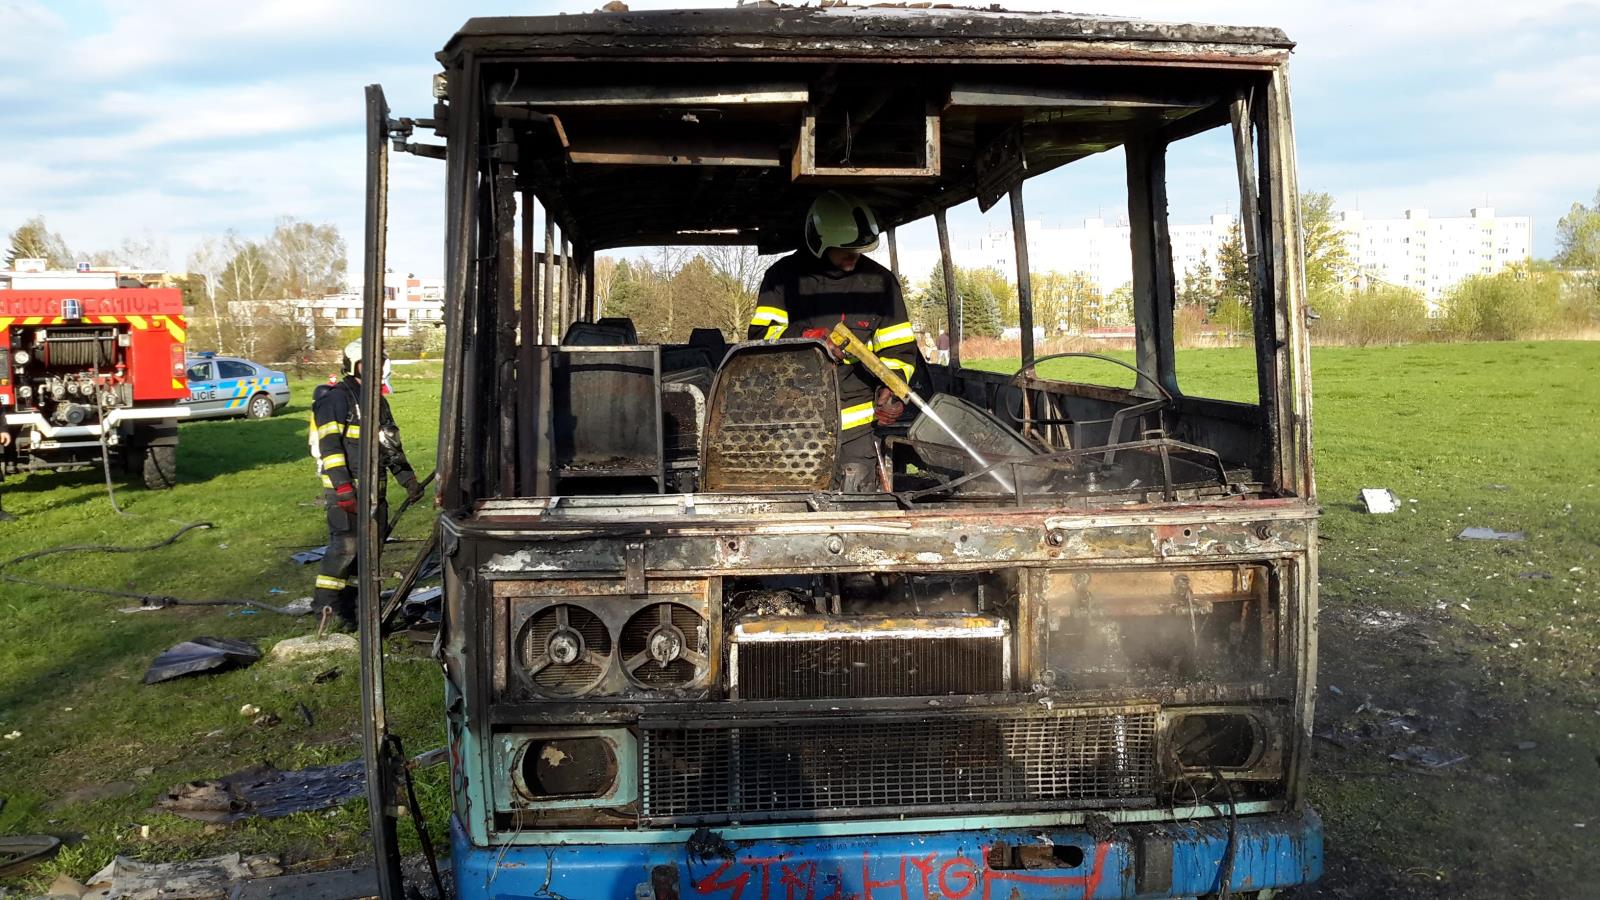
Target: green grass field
1478	647
71	665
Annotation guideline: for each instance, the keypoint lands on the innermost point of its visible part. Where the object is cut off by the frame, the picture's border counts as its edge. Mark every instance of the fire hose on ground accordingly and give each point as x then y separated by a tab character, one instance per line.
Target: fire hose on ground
153	600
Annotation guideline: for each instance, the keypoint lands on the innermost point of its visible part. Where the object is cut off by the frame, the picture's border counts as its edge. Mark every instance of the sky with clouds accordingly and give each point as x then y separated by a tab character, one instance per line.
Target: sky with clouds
170	120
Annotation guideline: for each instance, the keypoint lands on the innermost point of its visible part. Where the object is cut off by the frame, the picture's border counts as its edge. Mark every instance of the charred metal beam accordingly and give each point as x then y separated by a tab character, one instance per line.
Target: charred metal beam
549	333
591	312
1153	290
952	297
460	300
370	517
565	274
990	96
505	269
654	95
676	152
1019	233
527	378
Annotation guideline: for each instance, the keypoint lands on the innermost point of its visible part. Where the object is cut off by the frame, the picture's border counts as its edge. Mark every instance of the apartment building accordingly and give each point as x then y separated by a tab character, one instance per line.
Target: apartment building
1429	254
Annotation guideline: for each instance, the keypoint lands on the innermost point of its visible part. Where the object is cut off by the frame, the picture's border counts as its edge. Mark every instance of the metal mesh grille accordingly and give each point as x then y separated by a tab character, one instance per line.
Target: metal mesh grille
813	769
882	667
772	422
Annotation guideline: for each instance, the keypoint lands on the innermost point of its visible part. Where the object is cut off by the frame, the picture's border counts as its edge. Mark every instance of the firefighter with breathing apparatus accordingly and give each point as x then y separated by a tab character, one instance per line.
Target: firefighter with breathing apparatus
336	434
808	292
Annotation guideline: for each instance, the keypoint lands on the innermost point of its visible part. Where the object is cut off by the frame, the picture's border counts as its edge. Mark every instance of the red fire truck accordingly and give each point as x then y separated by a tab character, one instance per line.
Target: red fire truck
88	374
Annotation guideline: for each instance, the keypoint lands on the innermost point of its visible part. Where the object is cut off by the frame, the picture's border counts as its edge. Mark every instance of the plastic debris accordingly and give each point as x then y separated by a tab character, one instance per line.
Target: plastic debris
249	709
129	879
360	882
1428	757
305	557
312	647
202	654
1379	500
20	850
266	793
13	735
1477	533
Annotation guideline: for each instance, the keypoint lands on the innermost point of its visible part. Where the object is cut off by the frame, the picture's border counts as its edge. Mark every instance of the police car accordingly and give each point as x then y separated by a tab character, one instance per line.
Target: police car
227	386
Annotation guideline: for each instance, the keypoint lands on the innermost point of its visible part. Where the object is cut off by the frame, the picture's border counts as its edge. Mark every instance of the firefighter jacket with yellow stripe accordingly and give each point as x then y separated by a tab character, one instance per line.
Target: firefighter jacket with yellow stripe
802	296
336	436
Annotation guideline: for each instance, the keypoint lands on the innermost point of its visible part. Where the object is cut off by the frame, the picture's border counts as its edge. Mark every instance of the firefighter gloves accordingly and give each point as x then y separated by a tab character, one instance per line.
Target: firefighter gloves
345	496
888	408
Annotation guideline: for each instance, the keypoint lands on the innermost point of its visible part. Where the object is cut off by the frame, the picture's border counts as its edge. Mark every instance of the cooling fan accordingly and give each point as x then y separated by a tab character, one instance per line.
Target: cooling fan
565	650
666	645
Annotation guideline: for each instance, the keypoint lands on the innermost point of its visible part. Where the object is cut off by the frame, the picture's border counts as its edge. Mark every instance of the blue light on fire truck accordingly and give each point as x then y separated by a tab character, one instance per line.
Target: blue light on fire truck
71	309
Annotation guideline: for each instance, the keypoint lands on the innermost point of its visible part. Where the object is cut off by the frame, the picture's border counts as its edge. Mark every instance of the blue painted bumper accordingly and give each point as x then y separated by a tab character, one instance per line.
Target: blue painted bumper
1157	860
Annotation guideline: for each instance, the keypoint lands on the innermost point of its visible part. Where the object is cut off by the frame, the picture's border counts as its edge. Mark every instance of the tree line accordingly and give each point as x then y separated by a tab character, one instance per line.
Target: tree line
675	290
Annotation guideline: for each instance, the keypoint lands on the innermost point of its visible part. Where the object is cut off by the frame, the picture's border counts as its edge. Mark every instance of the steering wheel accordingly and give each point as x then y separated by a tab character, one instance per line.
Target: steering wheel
1026	419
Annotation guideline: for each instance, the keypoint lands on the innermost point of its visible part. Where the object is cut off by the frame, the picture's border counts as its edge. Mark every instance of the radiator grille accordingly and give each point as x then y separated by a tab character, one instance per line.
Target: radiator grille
819	768
883	667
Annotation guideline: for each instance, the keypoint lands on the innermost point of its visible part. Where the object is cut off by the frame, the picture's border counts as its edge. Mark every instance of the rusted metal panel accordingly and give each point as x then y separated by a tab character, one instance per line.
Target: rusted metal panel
808	543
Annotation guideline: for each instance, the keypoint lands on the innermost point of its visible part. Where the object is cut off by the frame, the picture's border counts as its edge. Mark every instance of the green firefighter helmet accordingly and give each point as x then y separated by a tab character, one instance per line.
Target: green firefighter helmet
837	219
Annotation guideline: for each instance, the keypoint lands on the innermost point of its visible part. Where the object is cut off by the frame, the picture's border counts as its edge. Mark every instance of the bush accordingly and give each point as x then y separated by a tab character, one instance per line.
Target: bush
1520	301
1188	324
1378	314
423	342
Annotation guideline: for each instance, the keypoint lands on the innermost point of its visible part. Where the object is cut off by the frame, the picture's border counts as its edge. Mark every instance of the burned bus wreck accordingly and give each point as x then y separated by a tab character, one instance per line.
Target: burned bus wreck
681	662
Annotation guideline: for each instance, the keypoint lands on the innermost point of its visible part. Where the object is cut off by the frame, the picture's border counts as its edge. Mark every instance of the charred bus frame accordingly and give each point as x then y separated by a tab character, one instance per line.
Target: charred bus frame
1115	665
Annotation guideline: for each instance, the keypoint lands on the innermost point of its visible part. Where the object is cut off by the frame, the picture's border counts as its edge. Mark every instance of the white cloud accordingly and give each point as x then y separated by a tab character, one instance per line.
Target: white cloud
141	35
229	112
187	117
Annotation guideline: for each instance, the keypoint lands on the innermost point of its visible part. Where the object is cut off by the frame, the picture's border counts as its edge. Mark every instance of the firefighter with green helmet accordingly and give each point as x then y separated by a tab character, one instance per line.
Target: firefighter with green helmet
808	292
336	435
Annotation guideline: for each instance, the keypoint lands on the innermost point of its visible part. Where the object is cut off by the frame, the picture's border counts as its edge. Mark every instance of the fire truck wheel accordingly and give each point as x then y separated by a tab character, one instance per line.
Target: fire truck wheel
260	407
160	467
